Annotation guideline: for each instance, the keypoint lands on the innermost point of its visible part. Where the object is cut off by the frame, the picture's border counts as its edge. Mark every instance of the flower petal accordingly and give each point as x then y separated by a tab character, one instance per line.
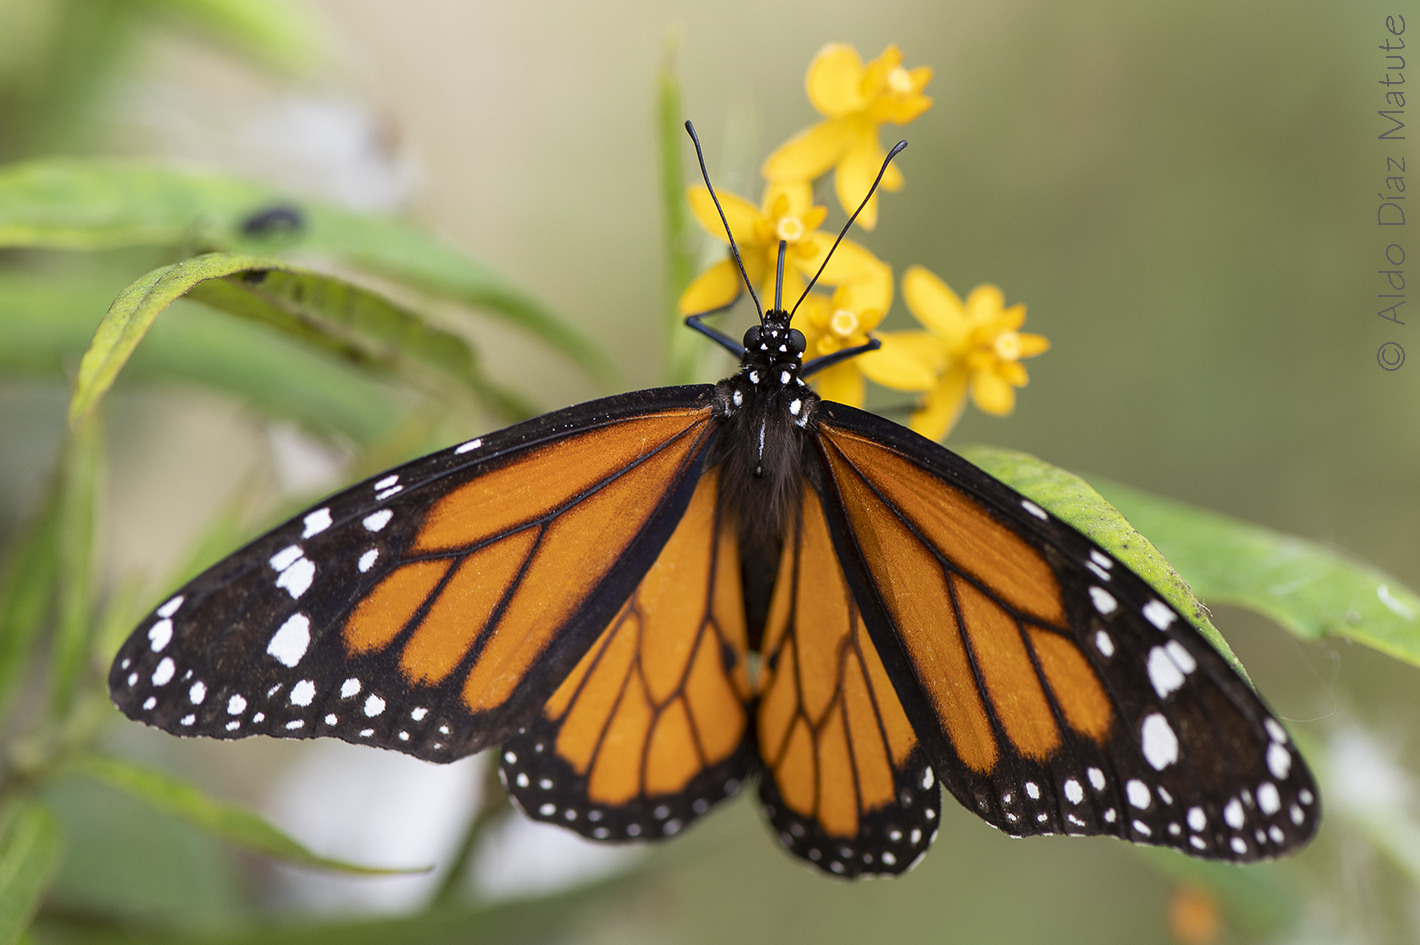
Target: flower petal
1032	345
842	383
941	407
1013	373
875	74
936	306
899	109
871	292
713	289
856	171
739	212
851	262
992	393
810	152
896	365
834	81
985	303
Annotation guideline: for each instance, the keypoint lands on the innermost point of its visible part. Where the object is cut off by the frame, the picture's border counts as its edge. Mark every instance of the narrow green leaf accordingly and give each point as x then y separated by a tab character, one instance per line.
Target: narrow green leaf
325	311
236	824
80	461
1071	499
28	591
276	32
1310	590
30	849
684	348
66	203
46	324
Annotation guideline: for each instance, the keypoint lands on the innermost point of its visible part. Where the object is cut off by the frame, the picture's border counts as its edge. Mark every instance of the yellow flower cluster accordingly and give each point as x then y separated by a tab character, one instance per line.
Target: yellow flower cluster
973	346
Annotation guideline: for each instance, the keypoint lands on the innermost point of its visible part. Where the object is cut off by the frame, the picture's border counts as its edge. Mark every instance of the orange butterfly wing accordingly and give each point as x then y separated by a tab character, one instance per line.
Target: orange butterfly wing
1054	691
845	782
432	610
651	727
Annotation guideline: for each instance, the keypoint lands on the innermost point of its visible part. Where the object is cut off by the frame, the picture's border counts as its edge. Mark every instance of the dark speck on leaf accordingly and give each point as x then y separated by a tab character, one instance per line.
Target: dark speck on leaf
255	276
278	220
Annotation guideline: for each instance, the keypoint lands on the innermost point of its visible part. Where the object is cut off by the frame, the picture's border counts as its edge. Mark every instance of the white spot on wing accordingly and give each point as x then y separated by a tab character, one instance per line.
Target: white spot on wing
388	492
170	608
1033	790
164	673
303	692
1279	761
374	705
367	560
1104	644
1269	801
316	522
418	714
197	693
236	705
1275	730
468	447
1096	778
1181	657
295	724
1073	792
1233	814
1099	572
377	520
386	482
1160	742
349	688
161	634
286	557
1103	599
1163	672
151	701
1138	793
289	643
1158	614
1101	559
1197	820
297	578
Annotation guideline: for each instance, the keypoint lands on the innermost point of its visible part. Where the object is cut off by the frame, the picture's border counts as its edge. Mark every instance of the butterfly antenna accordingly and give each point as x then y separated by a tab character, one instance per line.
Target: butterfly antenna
896	150
779	279
734	250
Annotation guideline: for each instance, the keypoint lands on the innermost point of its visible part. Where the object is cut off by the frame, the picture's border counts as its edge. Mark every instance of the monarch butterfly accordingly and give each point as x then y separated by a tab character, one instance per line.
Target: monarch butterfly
649	600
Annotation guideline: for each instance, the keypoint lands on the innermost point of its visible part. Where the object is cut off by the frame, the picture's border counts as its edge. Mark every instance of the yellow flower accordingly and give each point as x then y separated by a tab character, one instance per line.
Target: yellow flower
974	345
787	214
855	99
845	320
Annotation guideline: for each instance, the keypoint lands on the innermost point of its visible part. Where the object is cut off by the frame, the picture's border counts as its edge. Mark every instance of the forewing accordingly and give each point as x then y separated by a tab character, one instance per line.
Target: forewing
433	608
651	727
1058	693
846	783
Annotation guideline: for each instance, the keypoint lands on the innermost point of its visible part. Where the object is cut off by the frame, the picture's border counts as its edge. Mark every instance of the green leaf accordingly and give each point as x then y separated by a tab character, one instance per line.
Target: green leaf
30	848
233	823
80	461
27	592
277	32
1310	590
325	311
46	323
95	204
685	348
1071	499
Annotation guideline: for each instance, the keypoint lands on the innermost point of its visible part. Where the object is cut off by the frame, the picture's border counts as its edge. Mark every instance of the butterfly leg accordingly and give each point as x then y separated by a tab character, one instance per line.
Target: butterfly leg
815	365
715	335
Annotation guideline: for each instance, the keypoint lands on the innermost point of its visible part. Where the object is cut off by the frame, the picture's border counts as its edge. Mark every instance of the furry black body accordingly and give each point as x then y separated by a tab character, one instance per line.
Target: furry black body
765	411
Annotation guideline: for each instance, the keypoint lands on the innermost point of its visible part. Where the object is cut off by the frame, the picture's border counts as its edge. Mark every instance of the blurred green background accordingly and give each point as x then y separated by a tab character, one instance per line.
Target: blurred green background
1183	194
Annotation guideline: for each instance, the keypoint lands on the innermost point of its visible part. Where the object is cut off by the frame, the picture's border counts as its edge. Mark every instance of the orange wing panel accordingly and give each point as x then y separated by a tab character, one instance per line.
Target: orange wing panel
649	728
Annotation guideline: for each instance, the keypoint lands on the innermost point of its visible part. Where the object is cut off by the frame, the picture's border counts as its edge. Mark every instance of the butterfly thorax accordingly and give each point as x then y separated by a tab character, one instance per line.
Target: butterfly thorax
766	412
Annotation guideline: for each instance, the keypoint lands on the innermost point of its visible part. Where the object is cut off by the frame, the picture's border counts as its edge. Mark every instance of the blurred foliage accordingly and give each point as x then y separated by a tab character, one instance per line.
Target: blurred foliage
126	275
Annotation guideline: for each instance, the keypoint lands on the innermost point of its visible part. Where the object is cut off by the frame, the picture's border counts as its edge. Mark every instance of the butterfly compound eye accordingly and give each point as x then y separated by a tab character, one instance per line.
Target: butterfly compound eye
752	337
797	341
